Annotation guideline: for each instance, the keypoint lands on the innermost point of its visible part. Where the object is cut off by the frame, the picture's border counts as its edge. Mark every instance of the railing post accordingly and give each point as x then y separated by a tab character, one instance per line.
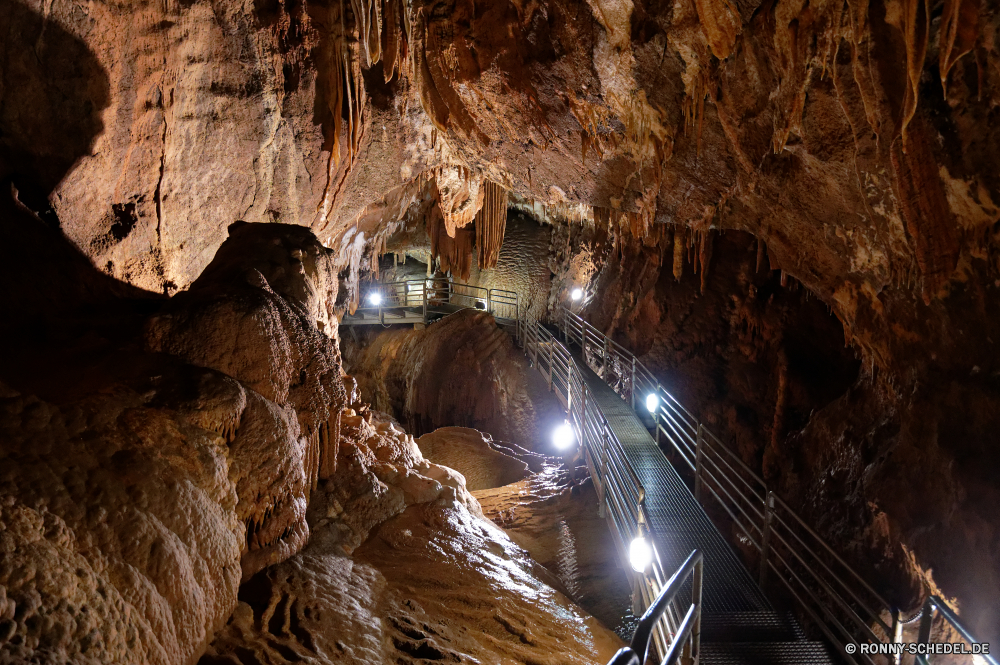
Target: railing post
551	345
489	302
924	635
631	383
604	476
425	302
765	538
897	634
656	415
569	394
699	451
607	357
696	586
538	340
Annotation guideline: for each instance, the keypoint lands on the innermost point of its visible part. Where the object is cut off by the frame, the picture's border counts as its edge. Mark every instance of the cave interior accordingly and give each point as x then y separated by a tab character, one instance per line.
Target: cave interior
284	286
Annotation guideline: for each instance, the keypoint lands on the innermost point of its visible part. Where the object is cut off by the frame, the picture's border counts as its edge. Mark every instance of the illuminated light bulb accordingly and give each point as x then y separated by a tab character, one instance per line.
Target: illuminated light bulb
652	401
563	437
375	299
576	293
640	554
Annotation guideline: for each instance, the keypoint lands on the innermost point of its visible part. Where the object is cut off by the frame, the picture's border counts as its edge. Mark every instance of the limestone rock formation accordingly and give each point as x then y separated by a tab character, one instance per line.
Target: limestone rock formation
140	488
855	141
462	370
558	522
401	567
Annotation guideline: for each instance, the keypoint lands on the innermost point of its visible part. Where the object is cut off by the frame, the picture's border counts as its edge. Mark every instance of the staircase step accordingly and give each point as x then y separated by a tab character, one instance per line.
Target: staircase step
765	653
749	627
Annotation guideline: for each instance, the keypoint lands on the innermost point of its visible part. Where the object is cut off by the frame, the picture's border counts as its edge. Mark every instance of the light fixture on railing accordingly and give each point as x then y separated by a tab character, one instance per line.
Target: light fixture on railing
652	401
563	437
640	554
375	298
576	293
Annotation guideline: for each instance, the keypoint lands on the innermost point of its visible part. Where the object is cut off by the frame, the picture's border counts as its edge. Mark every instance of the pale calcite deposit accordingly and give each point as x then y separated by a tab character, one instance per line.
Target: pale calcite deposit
402	567
474	455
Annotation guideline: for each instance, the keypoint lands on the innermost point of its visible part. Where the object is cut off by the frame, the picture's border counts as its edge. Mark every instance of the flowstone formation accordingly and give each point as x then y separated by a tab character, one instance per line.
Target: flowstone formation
144	475
402	567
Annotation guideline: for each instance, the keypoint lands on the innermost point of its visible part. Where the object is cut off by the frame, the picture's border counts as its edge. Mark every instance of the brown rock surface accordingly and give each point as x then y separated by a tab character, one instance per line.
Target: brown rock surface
855	140
559	524
138	490
462	370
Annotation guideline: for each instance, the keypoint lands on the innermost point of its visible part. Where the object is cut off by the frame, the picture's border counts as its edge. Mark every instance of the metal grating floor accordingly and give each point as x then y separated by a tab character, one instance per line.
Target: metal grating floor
678	522
740	625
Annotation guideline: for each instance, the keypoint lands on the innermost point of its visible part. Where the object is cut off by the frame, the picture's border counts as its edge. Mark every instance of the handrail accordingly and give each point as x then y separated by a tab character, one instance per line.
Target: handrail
686	644
845	607
385	299
932	604
620	491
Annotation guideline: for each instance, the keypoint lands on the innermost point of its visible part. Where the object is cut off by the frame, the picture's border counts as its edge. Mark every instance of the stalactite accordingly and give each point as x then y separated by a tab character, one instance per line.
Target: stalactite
958	33
491	222
778	424
329	446
679	246
761	253
705	246
916	31
454	254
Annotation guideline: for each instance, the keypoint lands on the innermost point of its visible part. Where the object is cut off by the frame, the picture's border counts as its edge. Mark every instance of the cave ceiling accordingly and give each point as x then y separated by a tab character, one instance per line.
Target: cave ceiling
852	138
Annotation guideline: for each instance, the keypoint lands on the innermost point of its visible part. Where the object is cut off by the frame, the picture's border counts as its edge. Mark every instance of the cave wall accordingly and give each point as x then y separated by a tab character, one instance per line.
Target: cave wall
888	466
462	370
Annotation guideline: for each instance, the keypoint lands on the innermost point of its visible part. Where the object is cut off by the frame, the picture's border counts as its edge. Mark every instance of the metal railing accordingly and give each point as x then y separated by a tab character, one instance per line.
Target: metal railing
397	302
620	492
686	645
934	605
838	600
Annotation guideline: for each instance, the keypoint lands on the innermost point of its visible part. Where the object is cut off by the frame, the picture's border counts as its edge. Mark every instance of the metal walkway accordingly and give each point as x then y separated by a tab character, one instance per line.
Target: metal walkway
728	620
739	625
677	523
422	301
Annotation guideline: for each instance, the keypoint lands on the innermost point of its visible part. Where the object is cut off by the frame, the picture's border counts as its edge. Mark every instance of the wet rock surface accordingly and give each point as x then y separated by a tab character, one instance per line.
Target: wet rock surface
557	521
473	455
402	567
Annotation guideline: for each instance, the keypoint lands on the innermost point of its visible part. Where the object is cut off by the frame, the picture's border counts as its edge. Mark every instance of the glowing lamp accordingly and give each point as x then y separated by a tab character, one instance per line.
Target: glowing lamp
375	298
640	554
563	437
576	293
652	401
